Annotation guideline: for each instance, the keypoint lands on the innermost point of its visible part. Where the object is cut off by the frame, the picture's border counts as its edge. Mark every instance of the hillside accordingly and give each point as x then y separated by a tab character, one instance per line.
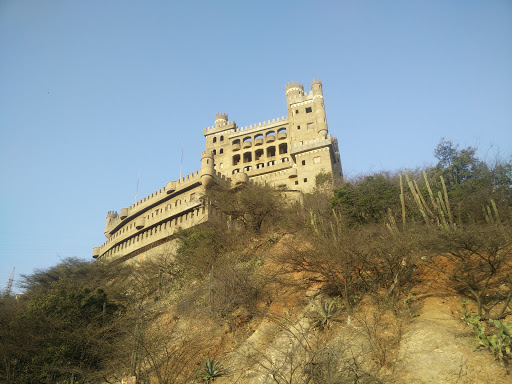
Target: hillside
392	278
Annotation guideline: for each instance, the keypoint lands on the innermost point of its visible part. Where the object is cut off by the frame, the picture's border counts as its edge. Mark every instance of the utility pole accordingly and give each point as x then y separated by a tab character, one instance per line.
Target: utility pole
137	189
181	162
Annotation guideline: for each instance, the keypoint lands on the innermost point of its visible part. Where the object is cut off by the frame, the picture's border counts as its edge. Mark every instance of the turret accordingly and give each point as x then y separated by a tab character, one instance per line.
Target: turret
239	179
221	119
320	119
294	91
124	213
170	187
207	169
111	218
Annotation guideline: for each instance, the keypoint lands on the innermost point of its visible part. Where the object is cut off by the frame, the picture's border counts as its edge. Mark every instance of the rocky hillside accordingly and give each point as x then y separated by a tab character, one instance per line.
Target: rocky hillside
390	278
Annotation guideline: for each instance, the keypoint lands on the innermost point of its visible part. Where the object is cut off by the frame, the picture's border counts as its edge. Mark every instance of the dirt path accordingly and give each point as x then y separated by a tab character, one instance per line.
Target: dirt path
435	349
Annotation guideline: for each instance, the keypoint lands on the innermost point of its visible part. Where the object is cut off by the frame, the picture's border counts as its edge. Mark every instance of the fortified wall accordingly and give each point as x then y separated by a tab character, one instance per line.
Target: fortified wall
286	153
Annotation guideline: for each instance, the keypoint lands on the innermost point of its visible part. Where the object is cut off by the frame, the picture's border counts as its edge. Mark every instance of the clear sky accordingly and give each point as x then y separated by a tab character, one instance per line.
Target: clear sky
94	92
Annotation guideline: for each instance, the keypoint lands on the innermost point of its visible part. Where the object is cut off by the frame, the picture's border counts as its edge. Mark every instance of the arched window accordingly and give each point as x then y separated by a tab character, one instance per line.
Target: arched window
221	151
258	139
214	139
281	133
258	154
222	138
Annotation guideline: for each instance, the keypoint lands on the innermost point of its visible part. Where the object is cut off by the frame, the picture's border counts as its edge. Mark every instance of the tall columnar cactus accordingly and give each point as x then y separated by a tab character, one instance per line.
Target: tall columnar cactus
430	193
160	283
135	356
439	214
447	203
402	200
417	199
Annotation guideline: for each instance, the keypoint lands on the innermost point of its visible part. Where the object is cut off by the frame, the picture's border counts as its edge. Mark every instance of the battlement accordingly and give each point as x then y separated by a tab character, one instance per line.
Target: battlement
221	116
221	128
294	86
263	125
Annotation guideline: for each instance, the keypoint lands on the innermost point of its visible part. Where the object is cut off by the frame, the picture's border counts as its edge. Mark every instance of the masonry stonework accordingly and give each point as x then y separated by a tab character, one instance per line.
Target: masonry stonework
285	153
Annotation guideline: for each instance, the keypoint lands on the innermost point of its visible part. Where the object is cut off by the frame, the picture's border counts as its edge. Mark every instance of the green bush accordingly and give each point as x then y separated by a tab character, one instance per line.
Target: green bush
497	338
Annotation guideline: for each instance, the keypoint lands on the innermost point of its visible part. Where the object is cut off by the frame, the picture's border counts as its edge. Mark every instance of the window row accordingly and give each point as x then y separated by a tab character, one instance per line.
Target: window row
158	228
307	110
177	202
248	157
258	138
260	165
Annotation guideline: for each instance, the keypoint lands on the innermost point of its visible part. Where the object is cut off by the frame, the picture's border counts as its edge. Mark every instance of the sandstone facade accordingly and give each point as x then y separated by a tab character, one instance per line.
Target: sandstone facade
286	153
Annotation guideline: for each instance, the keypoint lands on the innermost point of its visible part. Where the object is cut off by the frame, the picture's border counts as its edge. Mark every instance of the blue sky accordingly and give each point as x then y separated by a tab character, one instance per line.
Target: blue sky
94	92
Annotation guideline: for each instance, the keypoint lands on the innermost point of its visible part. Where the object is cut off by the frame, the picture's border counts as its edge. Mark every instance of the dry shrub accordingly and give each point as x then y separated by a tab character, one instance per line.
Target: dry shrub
382	331
480	263
164	353
252	207
353	261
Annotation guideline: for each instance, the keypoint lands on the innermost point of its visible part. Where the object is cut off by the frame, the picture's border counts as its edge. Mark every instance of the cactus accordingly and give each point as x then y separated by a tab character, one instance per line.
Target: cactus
135	358
495	209
402	200
416	198
447	203
430	193
425	205
440	205
160	283
392	224
313	221
440	212
498	342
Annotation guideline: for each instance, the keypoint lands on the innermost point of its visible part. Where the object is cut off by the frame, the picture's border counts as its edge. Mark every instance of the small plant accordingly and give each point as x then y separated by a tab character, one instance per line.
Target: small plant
407	302
325	313
211	369
498	342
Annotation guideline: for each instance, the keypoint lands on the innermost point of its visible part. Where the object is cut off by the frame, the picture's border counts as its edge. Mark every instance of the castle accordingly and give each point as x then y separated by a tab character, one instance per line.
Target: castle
286	153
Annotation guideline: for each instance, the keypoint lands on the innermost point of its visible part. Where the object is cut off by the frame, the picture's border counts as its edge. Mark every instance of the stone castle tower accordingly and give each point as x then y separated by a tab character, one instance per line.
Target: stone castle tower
286	153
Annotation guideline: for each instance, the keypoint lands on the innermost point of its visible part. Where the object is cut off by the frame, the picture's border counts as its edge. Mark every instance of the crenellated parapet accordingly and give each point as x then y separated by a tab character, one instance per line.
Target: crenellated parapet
221	119
294	86
175	201
262	125
226	128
